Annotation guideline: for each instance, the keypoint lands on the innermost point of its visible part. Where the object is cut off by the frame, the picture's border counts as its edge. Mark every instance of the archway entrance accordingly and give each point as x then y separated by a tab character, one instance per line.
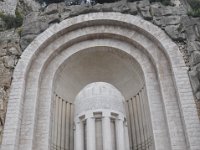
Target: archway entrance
29	119
108	65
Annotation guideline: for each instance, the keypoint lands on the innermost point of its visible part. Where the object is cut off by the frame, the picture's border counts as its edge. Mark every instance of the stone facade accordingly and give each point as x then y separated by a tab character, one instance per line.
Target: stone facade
169	93
181	28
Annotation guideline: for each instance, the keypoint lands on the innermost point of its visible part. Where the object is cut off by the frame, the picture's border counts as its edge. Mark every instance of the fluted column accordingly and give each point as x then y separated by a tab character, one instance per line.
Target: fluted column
127	144
79	138
59	123
106	126
120	133
55	135
91	143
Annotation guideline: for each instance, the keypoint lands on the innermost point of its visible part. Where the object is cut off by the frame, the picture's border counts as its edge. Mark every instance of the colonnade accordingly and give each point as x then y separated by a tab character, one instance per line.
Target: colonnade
114	134
103	127
139	124
62	126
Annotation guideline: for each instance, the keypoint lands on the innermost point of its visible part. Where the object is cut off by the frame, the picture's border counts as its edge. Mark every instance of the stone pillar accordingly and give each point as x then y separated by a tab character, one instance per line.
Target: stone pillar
91	143
67	125
127	144
79	138
106	126
120	133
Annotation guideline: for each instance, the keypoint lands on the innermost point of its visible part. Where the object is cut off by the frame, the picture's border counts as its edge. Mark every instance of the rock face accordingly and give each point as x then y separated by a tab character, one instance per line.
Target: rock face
183	29
8	6
10	52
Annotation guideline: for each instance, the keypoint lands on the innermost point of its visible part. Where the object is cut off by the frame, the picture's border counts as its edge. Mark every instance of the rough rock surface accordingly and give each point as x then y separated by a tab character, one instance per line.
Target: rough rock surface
10	52
8	6
182	29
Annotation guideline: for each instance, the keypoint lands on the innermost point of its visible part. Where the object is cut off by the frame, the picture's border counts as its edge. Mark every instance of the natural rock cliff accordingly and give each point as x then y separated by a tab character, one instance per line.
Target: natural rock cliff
173	19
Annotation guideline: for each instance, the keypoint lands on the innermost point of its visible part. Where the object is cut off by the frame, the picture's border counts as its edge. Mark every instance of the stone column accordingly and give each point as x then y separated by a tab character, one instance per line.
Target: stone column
127	144
91	143
79	139
106	127
120	133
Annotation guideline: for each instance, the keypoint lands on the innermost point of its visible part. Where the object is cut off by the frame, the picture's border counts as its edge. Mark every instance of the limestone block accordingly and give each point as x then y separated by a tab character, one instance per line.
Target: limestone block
194	80
31	17
5	75
9	61
166	20
174	32
26	40
191	25
144	8
120	7
159	10
35	6
62	7
198	95
133	8
51	9
3	50
193	46
14	50
53	18
65	15
195	58
35	27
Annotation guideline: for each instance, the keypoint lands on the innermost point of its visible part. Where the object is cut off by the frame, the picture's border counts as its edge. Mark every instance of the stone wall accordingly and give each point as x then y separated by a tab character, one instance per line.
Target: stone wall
183	29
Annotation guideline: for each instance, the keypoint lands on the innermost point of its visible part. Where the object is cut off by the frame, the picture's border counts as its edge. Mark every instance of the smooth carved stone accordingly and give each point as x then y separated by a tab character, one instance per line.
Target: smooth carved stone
99	95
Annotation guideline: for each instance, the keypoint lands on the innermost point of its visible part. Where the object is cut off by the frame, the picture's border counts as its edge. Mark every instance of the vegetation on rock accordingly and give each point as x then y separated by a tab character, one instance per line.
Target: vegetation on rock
12	21
195	5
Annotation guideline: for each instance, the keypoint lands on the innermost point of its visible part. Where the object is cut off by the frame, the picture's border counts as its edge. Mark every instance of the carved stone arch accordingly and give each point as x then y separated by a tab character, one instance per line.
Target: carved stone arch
174	120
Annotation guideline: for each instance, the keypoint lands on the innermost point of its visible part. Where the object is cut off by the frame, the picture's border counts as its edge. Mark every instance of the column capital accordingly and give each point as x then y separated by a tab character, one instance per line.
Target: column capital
89	115
77	120
106	114
121	117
